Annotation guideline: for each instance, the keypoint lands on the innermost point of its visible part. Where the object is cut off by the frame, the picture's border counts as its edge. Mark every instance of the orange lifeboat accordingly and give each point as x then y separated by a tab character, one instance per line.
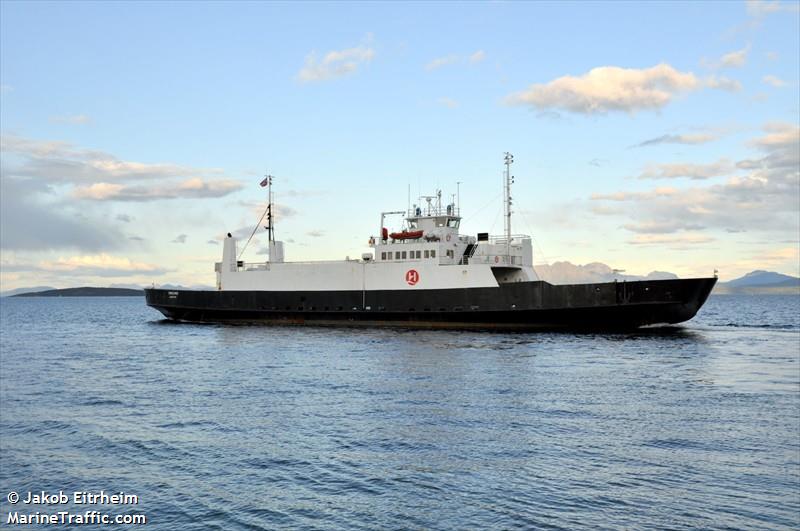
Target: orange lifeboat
406	235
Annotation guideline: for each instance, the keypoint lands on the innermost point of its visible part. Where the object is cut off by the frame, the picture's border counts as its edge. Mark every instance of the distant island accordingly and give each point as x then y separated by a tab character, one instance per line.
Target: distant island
760	283
85	292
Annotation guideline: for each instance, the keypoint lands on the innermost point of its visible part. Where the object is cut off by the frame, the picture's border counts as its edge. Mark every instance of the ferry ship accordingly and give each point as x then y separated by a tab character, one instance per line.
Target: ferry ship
427	275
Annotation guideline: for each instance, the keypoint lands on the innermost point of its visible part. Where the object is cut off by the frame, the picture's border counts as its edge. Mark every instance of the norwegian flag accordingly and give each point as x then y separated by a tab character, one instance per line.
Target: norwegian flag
266	181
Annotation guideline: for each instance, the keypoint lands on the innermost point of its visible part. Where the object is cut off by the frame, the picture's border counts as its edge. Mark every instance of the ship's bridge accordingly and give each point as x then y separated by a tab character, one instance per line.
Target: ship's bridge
430	233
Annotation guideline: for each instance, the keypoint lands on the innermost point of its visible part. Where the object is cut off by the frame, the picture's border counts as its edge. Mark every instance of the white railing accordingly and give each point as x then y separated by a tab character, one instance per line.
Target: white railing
255	266
433	211
502	239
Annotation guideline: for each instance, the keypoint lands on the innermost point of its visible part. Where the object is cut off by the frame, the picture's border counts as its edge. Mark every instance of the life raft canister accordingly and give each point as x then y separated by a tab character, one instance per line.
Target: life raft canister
384	234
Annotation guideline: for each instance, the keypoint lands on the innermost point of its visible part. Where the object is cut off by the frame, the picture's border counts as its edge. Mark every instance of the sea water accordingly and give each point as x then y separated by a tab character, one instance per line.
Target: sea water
250	427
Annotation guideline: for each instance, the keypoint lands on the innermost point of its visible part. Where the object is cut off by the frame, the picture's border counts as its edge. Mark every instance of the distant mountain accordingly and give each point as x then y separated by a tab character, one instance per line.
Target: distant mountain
128	286
17	291
193	287
764	278
569	273
761	283
86	292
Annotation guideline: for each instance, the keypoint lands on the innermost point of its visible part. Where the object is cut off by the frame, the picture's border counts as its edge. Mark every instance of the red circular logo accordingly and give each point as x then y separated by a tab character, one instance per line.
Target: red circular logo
412	277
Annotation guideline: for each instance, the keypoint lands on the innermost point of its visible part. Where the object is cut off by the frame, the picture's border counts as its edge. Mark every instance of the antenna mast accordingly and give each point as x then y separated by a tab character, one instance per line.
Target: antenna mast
270	217
508	181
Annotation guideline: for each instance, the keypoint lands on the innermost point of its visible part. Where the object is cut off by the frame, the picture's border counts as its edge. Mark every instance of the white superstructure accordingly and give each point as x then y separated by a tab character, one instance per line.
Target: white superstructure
429	253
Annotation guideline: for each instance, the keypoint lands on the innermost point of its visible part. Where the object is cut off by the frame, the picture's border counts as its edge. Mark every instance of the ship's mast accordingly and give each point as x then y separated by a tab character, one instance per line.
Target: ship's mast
270	217
508	181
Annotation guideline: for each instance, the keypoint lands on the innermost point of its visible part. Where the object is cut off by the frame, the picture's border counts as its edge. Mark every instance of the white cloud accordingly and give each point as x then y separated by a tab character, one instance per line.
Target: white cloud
97	175
760	8
774	81
180	238
448	102
439	62
779	135
56	161
452	59
477	57
609	88
736	59
690	139
663	191
662	227
191	188
657	239
692	171
99	265
336	63
31	220
75	119
766	198
723	83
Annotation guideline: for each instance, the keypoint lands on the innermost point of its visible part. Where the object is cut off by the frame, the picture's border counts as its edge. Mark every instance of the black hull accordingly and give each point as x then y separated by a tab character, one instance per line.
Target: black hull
523	306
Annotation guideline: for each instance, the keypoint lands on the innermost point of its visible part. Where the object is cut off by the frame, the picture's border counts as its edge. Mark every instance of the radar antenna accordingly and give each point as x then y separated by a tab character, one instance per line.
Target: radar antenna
270	216
508	181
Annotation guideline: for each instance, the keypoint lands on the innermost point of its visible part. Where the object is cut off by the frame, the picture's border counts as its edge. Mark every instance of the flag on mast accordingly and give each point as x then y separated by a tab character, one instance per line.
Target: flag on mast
265	181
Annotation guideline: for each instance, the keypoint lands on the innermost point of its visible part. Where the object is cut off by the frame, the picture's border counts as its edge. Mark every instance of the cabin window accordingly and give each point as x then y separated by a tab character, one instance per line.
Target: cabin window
397	255
419	254
412	224
452	223
383	255
450	253
427	254
433	253
403	255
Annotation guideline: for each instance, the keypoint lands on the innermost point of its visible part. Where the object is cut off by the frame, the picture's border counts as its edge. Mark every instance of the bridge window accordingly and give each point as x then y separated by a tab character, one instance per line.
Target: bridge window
453	223
383	255
419	254
427	254
433	253
397	255
403	255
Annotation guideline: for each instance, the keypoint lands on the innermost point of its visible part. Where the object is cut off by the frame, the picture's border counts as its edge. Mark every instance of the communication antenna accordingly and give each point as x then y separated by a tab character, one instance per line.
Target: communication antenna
270	217
508	181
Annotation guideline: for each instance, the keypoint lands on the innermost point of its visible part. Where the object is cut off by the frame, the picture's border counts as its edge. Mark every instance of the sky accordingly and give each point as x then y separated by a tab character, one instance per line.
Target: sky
650	136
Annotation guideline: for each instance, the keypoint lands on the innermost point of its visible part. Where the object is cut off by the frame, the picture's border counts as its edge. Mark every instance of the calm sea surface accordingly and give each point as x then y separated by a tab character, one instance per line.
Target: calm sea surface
245	427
